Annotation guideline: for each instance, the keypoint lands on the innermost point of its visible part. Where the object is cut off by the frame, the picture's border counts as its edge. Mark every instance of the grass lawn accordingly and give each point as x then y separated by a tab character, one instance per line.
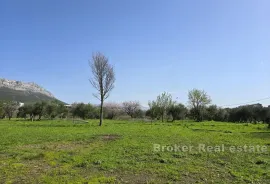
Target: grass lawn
123	152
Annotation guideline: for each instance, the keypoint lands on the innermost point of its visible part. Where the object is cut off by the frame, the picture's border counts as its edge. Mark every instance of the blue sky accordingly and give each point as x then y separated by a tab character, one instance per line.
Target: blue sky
155	46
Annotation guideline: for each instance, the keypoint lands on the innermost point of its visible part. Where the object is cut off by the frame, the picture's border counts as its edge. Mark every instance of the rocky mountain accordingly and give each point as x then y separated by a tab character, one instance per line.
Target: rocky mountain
23	91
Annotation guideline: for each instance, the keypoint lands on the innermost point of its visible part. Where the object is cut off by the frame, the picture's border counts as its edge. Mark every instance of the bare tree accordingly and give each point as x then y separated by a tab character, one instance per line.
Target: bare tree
131	108
103	79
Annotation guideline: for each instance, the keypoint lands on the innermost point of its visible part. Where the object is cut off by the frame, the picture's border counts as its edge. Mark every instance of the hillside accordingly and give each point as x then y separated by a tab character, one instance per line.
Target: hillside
23	92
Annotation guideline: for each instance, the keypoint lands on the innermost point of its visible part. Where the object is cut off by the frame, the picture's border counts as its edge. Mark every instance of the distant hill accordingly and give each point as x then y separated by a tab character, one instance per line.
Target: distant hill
23	92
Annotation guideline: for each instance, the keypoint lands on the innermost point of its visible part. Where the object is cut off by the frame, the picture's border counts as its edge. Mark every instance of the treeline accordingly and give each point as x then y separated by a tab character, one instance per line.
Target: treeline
243	114
33	111
199	108
54	109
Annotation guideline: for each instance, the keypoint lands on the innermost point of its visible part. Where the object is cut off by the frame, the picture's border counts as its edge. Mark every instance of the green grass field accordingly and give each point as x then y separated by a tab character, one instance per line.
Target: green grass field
123	152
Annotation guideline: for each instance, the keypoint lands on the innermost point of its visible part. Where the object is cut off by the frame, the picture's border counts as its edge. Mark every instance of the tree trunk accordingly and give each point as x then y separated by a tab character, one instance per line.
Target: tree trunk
101	113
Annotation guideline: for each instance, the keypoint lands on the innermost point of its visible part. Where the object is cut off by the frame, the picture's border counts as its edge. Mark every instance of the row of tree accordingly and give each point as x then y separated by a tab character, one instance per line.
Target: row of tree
199	108
110	110
38	110
163	108
54	109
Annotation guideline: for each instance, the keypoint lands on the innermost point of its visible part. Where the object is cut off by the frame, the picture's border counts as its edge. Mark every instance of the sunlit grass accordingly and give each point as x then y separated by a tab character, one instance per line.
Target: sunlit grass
122	152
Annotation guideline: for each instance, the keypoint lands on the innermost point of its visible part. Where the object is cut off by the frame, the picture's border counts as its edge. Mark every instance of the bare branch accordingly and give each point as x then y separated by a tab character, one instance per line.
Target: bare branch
103	77
96	96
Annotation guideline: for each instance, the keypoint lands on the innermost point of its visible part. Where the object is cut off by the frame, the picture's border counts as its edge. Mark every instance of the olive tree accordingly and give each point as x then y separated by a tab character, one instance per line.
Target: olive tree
211	113
160	107
198	100
22	112
153	111
102	80
51	110
10	108
62	111
84	111
177	112
2	112
39	109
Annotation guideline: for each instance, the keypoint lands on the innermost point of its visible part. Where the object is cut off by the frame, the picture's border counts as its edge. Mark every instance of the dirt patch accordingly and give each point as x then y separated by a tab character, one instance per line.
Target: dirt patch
57	146
125	176
37	168
70	145
66	146
110	137
139	178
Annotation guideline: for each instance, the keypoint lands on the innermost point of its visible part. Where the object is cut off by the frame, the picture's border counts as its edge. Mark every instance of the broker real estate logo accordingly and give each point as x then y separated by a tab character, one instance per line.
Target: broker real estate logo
210	148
